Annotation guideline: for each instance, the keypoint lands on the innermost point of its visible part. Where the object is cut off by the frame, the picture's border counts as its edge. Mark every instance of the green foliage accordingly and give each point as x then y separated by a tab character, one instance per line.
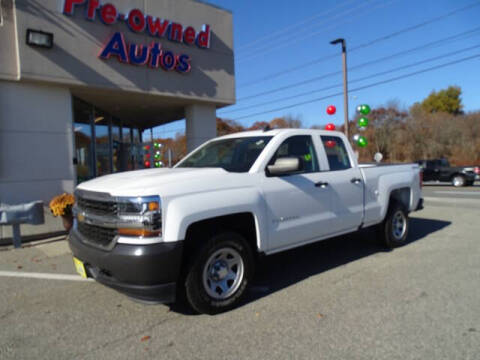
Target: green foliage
447	101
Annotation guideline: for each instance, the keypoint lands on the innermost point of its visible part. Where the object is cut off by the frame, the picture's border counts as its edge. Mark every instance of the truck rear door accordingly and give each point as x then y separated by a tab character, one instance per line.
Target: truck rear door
345	182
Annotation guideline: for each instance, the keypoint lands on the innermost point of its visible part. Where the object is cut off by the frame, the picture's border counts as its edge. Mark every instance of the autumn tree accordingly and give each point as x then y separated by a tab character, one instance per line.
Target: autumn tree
285	122
227	126
259	125
447	101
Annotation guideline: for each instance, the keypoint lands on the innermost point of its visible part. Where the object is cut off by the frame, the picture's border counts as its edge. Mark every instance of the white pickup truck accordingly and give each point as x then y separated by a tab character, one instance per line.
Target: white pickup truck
197	229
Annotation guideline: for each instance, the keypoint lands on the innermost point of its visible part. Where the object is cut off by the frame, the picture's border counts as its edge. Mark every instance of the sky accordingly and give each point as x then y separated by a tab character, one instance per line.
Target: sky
280	43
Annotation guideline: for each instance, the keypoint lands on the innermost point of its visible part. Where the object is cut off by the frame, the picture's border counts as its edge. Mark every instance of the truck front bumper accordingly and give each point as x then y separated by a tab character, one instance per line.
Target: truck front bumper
146	272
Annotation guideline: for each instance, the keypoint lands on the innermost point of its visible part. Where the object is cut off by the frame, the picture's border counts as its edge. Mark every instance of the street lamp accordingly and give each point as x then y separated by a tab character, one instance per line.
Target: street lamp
345	88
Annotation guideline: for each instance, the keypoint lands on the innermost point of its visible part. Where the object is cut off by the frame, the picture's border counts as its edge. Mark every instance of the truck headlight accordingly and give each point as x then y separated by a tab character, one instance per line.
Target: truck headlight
144	213
138	205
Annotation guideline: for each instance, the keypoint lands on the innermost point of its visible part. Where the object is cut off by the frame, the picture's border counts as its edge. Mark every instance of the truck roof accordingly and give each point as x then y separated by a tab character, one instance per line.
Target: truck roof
274	132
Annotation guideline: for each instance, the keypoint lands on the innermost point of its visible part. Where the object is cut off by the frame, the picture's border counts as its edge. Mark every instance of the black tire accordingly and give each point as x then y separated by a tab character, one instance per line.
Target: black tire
389	231
458	180
200	281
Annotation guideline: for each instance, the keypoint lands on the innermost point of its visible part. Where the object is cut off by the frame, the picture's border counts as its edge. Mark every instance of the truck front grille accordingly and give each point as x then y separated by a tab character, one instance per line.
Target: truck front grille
98	207
97	235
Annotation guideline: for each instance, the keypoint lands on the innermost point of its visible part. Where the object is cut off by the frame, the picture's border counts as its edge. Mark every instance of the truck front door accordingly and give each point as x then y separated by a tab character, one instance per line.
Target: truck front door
299	206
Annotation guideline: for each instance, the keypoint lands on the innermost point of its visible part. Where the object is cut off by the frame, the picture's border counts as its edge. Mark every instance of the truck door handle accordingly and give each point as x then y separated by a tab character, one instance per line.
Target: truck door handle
321	184
356	181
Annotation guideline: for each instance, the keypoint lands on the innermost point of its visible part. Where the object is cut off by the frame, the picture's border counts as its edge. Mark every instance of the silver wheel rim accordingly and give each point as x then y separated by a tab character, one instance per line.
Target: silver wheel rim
399	225
223	273
457	181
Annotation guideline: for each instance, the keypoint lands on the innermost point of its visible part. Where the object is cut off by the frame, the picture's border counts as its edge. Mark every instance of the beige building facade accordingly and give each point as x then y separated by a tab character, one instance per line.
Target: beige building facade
80	80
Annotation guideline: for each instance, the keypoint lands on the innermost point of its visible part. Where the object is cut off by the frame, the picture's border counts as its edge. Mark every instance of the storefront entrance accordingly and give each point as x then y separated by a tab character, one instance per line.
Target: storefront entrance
103	144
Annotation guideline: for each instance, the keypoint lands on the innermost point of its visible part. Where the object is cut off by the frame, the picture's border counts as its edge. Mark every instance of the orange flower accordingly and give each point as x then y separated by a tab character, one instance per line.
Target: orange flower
61	204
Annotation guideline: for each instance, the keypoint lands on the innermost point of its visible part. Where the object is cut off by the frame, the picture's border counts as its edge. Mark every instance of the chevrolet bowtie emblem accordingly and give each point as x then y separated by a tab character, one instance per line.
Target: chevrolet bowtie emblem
81	217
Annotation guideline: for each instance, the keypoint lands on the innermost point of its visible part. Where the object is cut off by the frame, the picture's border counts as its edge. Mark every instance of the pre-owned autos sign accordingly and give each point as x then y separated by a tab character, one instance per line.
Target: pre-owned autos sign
153	55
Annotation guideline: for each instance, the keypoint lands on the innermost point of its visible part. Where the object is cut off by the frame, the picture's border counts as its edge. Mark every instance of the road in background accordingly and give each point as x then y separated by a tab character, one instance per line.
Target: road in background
344	298
441	194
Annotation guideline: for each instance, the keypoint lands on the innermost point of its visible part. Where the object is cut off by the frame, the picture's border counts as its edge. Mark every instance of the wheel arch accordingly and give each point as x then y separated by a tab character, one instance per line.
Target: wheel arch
400	196
458	174
200	231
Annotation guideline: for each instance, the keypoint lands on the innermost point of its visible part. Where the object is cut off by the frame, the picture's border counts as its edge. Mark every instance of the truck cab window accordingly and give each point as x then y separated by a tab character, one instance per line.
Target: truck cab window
299	146
337	154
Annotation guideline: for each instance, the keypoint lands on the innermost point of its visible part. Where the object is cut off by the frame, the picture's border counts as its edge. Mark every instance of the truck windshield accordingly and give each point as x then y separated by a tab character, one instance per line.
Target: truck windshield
234	155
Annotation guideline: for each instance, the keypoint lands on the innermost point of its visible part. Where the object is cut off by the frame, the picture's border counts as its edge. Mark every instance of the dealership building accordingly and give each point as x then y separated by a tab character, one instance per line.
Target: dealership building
81	80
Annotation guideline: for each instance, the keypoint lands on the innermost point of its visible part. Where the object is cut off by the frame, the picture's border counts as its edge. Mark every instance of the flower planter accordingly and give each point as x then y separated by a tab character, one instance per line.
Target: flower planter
67	221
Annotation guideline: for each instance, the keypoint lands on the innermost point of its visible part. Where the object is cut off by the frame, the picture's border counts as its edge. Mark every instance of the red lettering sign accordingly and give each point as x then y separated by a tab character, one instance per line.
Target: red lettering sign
108	14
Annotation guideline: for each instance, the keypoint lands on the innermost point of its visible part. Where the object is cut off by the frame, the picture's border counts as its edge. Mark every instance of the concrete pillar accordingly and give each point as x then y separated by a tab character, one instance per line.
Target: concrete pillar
201	124
36	142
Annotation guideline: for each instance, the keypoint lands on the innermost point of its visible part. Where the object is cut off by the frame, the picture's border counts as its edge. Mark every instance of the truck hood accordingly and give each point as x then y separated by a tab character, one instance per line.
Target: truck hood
151	181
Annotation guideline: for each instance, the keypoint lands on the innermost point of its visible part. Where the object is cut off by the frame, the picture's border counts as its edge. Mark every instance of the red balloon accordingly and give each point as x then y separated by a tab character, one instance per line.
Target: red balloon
147	164
331	110
330	143
330	127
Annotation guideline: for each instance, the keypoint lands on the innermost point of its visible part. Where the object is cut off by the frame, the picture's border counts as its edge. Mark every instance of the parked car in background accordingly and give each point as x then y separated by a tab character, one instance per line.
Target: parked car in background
440	170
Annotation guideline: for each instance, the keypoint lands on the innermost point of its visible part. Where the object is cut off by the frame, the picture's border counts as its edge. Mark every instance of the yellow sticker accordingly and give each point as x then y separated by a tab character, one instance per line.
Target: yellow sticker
79	267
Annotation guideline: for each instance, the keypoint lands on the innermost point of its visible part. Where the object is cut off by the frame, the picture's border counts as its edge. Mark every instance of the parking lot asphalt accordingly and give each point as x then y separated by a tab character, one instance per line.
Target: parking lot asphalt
343	298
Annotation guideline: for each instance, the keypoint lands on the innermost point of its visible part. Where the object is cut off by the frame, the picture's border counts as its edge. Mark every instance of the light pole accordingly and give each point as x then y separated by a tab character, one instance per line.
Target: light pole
345	87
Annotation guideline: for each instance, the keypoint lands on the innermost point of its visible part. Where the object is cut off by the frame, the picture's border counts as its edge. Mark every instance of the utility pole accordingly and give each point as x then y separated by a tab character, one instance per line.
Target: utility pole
345	86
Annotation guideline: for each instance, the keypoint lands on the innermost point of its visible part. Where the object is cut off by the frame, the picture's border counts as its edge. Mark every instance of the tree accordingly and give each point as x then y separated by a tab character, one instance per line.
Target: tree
447	101
227	126
286	122
259	125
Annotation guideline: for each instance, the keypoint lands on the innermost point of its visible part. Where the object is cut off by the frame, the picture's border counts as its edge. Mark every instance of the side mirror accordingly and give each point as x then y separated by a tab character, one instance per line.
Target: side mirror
284	166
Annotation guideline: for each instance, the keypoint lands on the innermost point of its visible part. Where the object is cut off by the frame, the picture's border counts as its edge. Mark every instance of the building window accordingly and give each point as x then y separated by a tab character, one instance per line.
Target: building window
117	146
102	143
82	114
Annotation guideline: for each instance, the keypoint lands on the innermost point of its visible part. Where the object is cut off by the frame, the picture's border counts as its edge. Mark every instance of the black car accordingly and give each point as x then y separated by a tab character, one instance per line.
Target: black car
440	170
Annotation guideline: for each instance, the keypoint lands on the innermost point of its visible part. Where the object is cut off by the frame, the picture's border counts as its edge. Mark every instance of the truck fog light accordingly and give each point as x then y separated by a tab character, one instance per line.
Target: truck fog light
138	232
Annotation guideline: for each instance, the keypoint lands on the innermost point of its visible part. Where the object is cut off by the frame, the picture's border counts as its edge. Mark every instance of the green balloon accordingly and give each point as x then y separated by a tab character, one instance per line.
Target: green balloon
362	122
362	141
365	109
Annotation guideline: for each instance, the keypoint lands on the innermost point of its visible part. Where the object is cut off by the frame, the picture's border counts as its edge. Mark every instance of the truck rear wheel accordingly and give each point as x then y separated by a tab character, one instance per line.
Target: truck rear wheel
393	231
458	180
219	275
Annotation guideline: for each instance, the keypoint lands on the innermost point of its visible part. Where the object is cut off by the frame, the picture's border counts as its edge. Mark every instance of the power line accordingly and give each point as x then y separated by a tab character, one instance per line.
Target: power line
383	38
403	67
364	87
344	20
368	63
288	28
346	13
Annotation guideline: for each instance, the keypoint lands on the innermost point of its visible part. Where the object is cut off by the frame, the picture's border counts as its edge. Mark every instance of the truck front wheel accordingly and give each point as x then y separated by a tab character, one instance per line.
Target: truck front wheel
394	229
218	276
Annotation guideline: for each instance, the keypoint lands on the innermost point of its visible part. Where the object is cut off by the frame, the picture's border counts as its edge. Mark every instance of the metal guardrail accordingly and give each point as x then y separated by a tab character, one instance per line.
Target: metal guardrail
15	215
